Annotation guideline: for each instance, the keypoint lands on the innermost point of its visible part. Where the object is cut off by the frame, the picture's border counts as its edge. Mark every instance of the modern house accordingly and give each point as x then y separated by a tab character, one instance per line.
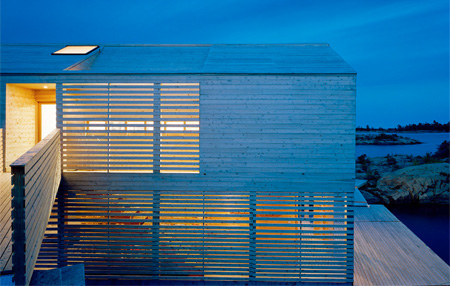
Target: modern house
181	162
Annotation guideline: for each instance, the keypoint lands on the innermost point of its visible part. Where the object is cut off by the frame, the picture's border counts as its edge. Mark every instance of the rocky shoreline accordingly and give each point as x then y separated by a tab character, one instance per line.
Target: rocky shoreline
384	139
406	179
424	184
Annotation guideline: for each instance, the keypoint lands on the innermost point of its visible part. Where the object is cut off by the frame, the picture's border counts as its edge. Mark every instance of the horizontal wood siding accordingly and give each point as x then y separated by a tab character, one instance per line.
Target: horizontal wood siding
209	235
142	127
271	201
48	254
35	176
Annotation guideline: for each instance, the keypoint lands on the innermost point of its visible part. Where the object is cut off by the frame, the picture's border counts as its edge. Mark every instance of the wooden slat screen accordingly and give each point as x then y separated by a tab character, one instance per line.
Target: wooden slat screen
271	202
130	127
48	254
167	235
36	176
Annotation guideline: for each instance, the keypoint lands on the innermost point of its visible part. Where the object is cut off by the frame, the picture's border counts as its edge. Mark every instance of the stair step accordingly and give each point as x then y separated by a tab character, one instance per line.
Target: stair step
67	276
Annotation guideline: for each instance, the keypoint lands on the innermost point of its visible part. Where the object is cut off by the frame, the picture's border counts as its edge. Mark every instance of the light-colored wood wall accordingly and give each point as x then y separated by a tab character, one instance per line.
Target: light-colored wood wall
45	95
276	162
280	127
20	128
276	158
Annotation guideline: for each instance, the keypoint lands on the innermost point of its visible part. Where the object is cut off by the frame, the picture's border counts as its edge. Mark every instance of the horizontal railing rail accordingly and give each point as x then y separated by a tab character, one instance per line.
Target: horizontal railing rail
36	176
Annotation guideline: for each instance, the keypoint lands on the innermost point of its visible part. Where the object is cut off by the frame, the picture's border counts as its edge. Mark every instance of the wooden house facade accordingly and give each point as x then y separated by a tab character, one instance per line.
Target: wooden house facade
192	162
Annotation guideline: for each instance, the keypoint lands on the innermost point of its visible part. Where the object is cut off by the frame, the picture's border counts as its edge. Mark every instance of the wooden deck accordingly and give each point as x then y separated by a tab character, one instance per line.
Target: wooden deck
388	253
5	224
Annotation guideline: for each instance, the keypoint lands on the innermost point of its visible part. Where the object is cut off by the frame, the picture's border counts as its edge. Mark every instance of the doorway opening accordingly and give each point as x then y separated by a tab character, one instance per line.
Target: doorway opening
47	119
30	116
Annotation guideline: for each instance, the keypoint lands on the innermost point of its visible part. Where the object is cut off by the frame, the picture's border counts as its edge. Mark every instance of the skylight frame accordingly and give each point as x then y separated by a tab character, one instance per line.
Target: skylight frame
92	48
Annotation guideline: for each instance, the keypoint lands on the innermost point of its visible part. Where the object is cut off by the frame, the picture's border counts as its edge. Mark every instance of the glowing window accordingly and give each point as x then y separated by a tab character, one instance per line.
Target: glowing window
131	127
75	50
97	125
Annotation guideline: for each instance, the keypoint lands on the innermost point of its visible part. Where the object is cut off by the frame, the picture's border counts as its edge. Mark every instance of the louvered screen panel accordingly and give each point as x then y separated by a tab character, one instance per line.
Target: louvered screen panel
84	121
48	254
130	127
179	128
251	236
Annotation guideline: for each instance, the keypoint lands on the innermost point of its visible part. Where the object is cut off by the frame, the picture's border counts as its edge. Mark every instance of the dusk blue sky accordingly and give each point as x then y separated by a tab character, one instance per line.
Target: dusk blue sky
400	49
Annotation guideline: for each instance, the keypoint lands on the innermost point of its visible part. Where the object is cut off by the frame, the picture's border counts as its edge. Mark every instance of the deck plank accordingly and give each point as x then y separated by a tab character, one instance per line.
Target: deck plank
5	224
388	253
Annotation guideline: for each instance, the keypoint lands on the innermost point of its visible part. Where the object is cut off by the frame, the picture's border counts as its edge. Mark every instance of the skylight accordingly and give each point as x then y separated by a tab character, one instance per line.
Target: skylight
75	50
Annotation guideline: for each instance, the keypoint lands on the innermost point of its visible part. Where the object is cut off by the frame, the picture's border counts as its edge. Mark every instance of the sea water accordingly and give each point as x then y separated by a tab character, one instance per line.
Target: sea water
431	223
430	143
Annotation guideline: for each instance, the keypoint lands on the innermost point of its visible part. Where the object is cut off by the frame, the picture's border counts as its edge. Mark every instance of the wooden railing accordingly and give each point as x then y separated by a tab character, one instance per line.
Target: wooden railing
36	176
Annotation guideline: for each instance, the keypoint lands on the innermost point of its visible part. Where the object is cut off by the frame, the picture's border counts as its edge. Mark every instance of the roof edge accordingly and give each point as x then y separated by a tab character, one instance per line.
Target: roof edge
167	45
74	72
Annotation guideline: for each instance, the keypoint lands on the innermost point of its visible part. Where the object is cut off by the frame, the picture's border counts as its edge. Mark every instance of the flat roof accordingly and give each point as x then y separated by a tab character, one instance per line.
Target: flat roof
176	59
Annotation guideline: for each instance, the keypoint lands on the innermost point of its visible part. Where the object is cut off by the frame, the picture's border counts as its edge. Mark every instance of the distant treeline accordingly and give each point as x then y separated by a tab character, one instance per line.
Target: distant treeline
435	126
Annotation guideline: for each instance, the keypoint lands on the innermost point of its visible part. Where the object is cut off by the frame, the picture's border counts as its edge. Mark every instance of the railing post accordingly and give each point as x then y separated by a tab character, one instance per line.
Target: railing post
157	129
156	234
18	225
62	261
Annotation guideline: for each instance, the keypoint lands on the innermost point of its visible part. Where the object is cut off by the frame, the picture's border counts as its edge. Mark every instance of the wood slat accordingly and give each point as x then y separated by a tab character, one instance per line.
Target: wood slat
165	234
148	121
5	224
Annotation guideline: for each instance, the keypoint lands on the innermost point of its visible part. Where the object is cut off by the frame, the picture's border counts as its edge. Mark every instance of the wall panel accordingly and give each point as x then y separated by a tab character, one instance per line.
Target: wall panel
271	200
130	127
20	127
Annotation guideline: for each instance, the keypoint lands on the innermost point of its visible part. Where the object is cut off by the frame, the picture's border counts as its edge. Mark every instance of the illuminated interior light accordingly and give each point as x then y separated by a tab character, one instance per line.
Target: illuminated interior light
75	50
45	86
48	119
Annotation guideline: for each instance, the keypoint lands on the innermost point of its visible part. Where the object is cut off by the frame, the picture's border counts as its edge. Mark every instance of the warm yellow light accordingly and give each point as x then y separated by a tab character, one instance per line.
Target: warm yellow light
45	86
75	50
48	119
97	127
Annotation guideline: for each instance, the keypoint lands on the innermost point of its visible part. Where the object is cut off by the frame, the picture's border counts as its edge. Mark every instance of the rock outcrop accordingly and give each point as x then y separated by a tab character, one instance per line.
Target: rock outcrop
384	139
424	184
